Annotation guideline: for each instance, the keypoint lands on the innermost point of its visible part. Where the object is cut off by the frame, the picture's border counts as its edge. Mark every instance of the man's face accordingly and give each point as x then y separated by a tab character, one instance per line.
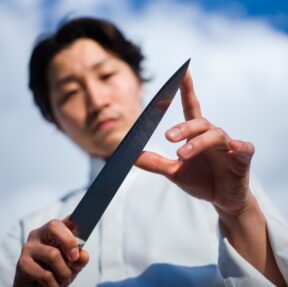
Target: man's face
95	96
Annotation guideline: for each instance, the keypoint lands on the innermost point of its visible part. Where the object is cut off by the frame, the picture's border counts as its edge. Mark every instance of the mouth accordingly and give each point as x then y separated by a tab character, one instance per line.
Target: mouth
104	125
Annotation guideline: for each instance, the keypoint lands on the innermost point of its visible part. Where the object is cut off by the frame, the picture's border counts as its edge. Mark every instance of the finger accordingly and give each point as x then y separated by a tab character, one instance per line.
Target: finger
56	233
188	129
243	151
54	260
81	262
71	225
156	163
214	138
190	104
28	269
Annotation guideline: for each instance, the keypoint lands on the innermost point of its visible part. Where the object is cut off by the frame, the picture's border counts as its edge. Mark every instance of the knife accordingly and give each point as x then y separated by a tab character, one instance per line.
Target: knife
102	190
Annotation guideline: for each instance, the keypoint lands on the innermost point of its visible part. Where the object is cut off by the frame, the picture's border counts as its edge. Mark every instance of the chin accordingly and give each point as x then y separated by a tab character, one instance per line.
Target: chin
108	147
113	144
105	146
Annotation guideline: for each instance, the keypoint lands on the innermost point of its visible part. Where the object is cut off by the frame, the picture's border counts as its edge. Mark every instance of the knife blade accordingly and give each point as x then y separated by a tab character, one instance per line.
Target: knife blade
102	190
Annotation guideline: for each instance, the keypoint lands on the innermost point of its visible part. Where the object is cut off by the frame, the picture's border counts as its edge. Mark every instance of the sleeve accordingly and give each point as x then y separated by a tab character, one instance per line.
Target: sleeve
240	273
10	250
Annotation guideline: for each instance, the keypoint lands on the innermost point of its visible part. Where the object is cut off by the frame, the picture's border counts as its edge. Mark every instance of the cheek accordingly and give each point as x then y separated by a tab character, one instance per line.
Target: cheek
135	100
71	118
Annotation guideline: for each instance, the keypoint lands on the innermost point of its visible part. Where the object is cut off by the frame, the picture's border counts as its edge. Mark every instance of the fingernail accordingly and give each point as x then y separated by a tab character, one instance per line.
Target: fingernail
174	132
186	150
74	253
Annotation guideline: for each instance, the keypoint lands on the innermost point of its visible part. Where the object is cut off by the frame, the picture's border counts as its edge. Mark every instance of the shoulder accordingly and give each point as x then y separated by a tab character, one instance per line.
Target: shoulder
59	209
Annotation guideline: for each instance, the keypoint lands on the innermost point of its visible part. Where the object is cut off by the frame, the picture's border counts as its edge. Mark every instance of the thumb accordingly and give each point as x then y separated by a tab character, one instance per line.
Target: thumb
156	163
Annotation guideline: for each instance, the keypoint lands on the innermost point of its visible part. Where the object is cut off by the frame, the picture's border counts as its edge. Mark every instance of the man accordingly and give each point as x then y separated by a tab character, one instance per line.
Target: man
86	79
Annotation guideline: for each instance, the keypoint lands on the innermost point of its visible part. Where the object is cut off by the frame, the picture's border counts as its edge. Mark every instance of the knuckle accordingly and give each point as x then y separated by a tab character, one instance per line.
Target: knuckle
66	277
32	234
220	133
252	148
47	278
204	121
206	125
52	224
27	247
22	264
53	255
71	242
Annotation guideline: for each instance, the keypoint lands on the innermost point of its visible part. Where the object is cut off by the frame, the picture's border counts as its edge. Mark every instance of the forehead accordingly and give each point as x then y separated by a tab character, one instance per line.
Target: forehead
82	51
77	58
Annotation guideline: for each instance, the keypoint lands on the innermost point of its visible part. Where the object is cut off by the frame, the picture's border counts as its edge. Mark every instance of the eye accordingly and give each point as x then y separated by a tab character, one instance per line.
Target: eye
67	96
107	76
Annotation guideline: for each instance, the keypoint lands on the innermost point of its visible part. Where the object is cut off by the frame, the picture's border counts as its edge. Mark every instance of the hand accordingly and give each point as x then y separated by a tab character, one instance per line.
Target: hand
210	164
214	167
50	257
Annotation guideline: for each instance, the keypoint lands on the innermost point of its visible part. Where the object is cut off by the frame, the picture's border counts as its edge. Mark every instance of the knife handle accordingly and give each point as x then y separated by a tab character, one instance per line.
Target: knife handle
80	242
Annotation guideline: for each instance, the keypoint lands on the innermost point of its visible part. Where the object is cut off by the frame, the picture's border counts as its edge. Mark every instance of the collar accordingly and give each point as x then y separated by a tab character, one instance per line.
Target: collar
96	164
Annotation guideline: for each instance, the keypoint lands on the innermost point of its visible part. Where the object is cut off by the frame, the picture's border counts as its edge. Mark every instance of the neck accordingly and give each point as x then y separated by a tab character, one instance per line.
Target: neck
96	164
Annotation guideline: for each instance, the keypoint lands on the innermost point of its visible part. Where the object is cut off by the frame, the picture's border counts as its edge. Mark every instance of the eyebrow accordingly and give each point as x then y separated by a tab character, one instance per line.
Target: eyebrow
73	78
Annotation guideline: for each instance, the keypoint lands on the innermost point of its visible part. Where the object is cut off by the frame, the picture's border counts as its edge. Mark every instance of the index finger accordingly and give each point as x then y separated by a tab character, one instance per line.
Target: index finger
190	104
57	234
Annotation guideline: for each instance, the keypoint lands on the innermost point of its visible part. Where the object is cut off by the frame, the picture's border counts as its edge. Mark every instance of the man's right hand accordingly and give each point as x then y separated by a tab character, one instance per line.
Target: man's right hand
50	257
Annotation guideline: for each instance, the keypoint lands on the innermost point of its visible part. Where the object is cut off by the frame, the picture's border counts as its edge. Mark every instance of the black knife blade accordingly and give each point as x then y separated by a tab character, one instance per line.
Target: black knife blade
102	190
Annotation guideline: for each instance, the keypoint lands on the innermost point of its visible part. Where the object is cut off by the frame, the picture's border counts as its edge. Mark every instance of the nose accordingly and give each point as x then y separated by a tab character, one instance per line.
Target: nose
97	96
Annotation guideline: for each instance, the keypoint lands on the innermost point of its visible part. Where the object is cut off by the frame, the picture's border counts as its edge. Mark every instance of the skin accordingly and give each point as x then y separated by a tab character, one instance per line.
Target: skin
95	107
210	165
50	257
214	167
90	97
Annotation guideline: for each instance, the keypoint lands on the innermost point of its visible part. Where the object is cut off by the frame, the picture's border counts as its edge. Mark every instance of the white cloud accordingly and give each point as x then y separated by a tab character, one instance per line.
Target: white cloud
239	68
33	154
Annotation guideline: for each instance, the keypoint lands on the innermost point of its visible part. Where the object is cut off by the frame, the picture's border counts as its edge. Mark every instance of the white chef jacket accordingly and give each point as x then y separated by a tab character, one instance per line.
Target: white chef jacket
154	234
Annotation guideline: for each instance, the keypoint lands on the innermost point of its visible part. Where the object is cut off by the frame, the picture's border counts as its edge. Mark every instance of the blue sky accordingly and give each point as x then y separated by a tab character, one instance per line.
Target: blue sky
275	12
239	65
